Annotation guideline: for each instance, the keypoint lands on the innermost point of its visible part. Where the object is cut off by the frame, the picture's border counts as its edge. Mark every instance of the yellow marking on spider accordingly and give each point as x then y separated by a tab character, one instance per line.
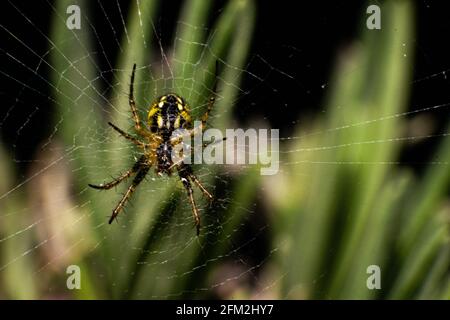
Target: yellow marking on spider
186	116
160	121
153	109
176	124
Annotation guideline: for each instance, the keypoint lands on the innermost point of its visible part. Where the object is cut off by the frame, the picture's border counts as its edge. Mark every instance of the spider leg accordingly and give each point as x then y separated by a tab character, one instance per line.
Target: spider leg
184	177
137	122
211	100
115	182
200	186
205	116
211	143
128	136
138	179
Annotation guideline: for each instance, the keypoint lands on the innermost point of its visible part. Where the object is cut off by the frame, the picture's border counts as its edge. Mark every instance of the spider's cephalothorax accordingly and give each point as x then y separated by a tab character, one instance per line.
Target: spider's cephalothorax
168	113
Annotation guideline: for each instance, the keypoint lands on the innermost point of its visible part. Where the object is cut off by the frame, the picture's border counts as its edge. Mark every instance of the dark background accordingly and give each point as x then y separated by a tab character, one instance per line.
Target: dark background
301	39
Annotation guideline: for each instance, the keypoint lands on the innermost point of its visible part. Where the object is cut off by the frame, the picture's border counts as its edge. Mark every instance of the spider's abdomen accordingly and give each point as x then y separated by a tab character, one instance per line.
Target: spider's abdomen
168	114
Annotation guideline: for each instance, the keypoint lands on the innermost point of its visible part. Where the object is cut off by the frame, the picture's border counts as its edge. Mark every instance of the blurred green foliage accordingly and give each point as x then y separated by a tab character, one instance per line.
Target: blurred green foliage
356	208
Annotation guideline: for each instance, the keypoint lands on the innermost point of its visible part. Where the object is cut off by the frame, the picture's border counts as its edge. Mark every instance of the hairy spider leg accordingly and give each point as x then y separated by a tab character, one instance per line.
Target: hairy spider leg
211	101
115	182
137	179
137	122
201	187
127	136
184	177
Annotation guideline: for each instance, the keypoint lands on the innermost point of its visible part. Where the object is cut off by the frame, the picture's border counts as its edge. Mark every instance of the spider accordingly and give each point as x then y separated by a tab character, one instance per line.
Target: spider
168	113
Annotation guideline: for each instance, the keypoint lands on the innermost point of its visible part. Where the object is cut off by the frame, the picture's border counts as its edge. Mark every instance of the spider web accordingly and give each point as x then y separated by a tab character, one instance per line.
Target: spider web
50	219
